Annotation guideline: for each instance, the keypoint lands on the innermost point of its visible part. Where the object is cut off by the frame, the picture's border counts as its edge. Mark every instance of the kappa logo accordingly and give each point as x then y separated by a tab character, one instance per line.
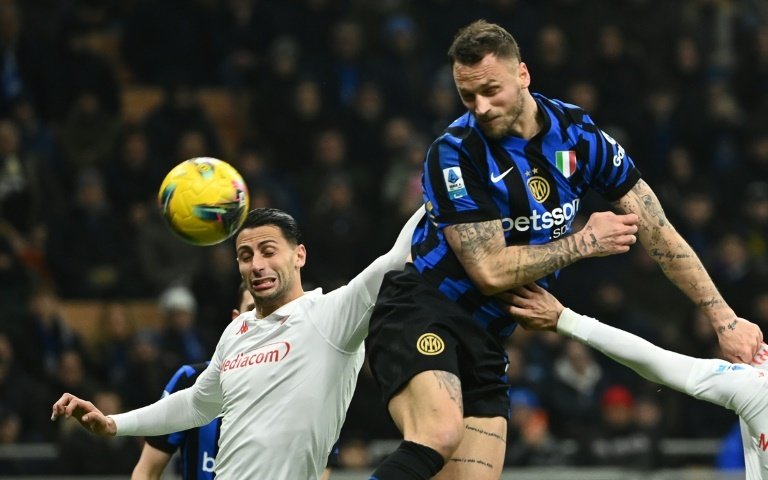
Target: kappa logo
243	328
539	188
430	344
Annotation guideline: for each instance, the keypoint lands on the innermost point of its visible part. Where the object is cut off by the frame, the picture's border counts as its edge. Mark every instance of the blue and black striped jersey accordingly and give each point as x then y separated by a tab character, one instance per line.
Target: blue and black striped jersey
198	446
533	186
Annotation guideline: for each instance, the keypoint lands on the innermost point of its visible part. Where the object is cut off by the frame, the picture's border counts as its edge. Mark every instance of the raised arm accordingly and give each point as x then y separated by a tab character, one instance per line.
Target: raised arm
739	338
394	259
495	267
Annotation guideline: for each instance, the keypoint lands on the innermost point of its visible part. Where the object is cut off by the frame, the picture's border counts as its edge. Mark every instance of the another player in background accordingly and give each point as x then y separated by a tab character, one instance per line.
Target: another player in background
283	374
198	446
503	185
737	387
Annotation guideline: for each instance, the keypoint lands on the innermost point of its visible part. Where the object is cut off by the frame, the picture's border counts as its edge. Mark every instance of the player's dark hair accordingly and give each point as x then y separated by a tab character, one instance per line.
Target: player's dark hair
259	217
480	38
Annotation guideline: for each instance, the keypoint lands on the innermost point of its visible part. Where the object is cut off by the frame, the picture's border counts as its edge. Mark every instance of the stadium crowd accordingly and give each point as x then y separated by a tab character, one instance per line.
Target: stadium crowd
333	103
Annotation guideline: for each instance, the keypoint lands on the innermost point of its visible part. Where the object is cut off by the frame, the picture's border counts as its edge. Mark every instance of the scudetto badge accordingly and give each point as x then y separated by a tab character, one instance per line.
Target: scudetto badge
430	344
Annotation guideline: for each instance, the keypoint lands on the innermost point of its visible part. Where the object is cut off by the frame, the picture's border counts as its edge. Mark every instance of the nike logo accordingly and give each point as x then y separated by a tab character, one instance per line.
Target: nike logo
495	178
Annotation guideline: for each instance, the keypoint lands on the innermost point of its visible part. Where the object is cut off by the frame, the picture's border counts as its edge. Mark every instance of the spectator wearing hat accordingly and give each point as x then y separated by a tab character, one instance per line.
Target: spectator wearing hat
620	441
180	341
530	442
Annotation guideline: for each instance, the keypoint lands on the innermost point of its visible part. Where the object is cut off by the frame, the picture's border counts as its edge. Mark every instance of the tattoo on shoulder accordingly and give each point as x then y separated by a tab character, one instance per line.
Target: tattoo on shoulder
451	384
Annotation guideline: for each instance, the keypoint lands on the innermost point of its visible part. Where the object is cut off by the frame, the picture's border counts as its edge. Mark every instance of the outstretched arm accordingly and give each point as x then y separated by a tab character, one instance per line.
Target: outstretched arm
495	267
739	338
182	410
716	381
394	259
537	309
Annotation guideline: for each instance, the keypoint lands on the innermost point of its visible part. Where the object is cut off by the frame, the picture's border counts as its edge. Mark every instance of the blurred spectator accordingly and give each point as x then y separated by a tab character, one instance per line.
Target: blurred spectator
82	454
529	441
619	441
45	336
21	197
72	376
89	72
88	248
89	134
337	223
133	177
22	397
180	340
215	288
180	112
170	40
146	373
112	348
163	258
572	396
549	62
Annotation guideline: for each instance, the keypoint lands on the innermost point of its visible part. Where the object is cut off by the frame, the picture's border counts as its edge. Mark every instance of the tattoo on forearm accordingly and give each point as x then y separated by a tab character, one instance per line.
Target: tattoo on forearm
475	461
451	384
710	302
475	238
485	432
730	326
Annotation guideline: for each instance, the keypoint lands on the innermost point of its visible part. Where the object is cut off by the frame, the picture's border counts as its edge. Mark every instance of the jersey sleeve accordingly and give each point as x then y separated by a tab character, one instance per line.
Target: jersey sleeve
734	386
183	378
188	408
348	309
610	170
454	180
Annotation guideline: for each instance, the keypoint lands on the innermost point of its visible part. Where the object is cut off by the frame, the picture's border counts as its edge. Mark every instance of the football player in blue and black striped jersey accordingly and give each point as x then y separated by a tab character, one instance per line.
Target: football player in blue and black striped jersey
502	186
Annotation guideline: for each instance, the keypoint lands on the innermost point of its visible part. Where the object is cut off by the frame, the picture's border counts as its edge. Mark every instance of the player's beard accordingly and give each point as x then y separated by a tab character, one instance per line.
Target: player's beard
504	126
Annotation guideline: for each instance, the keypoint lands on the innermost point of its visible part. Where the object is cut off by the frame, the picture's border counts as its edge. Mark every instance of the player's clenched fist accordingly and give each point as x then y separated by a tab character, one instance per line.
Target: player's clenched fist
607	233
84	412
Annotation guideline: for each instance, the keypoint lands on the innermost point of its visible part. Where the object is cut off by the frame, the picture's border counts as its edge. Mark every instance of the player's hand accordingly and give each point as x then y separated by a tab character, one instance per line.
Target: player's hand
739	340
607	233
84	412
533	307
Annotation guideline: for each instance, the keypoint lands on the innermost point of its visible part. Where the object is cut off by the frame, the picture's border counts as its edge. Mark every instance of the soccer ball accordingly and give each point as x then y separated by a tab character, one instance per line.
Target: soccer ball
203	200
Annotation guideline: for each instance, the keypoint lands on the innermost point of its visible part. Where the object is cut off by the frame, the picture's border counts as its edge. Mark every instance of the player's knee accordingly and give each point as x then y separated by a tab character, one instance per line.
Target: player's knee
442	435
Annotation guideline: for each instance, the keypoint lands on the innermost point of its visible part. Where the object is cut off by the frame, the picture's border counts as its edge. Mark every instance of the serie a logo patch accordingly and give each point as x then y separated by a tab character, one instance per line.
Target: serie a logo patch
430	344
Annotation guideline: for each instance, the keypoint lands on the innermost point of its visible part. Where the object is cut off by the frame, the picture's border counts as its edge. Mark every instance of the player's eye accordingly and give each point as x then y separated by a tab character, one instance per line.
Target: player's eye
245	257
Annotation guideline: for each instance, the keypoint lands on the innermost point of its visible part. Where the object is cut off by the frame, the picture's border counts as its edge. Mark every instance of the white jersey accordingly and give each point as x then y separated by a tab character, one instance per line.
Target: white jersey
737	387
282	383
744	390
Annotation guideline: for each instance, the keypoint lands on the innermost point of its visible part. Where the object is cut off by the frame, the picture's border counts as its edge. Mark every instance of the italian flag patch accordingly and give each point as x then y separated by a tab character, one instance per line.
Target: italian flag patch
566	162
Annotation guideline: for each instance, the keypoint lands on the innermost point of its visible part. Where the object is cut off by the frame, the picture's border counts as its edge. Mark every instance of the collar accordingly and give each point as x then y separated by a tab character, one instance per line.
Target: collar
287	310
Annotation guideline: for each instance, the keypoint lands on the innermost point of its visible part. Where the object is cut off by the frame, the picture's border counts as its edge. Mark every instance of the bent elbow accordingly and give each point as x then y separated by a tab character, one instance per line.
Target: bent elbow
486	282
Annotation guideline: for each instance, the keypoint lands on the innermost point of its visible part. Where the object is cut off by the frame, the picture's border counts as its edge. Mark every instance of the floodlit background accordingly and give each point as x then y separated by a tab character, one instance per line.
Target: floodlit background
326	107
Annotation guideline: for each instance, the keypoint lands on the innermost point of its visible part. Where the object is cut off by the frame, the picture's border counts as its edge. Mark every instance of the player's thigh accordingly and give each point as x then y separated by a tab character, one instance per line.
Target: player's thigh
428	410
480	455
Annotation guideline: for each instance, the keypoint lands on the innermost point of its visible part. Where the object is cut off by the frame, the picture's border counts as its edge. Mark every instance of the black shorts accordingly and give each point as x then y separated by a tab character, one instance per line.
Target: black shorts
415	328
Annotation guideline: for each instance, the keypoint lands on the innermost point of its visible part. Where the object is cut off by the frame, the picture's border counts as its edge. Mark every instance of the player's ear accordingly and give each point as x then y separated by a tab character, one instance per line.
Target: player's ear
301	256
235	313
523	75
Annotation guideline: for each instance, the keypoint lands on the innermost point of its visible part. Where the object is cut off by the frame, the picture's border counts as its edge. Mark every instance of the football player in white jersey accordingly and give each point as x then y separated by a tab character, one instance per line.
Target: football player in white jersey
737	387
282	375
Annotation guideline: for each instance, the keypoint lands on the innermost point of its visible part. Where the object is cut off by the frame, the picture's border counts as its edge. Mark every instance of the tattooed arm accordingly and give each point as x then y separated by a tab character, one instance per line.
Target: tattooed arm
739	339
495	267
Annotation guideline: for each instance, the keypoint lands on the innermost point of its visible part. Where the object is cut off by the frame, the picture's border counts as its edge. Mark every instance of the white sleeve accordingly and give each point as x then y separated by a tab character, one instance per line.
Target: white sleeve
354	301
189	408
653	363
369	280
